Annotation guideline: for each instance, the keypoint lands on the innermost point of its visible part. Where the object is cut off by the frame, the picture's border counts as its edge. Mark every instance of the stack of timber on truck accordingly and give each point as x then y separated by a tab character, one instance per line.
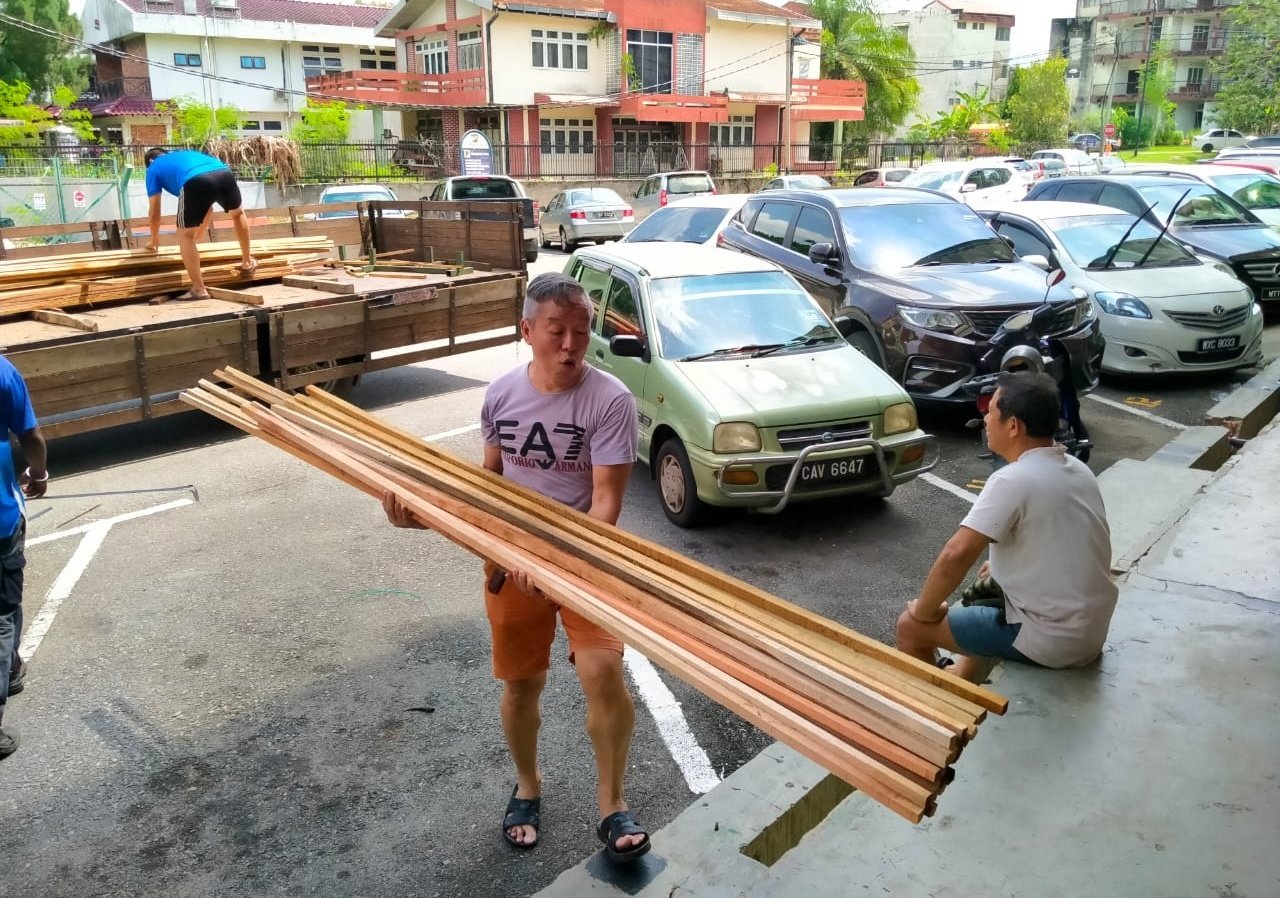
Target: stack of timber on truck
432	279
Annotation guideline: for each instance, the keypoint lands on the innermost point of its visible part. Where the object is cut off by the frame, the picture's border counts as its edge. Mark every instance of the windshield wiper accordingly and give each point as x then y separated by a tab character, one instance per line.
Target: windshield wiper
1217	221
1163	230
733	350
798	343
1111	255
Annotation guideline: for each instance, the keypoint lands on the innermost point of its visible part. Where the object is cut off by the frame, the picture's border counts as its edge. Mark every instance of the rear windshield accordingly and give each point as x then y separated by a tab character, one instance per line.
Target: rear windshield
689	184
357	196
896	174
593	195
1198	204
484	189
679	225
935	180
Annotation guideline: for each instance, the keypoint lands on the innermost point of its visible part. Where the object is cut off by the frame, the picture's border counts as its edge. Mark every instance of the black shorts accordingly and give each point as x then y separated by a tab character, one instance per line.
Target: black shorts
201	192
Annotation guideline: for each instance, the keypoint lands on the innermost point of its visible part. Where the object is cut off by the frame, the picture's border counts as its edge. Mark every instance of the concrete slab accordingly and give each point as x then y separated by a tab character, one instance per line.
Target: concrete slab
1144	499
1205	448
1231	538
1247	410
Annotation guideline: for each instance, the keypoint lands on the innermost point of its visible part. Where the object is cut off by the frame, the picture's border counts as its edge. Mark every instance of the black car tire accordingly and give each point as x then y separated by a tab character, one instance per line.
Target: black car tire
1207	148
565	243
543	242
677	490
531	255
866	344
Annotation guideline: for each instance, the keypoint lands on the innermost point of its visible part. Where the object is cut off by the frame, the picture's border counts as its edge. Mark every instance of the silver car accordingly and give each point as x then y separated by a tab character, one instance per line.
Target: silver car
585	213
658	190
797	182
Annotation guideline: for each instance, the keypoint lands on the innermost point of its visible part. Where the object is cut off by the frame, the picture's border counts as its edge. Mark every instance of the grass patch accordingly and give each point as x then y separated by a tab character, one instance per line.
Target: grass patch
1178	155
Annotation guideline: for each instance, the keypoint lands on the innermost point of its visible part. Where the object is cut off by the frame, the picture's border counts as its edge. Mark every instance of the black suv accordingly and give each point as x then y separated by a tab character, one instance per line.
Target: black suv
924	280
1207	221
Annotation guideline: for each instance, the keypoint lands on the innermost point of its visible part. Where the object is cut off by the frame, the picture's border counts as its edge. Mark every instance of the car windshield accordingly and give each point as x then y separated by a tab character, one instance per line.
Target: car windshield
676	224
722	315
945	179
888	238
1089	240
357	196
593	195
1257	191
688	184
1201	205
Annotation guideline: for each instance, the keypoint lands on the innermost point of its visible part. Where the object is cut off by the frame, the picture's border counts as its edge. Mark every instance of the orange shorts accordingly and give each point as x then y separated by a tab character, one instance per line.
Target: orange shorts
524	626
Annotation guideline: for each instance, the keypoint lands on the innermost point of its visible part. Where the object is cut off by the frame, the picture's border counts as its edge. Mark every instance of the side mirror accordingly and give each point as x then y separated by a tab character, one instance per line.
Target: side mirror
823	254
844	324
1039	261
968	187
627	346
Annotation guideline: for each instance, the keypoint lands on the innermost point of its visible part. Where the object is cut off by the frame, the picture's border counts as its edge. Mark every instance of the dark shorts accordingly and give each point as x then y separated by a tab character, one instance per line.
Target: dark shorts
201	192
981	630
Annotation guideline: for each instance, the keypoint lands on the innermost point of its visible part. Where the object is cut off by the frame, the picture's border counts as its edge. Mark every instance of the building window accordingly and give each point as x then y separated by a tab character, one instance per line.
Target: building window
378	59
469	50
558	49
1195	78
315	66
1004	71
802	68
560	136
250	125
1132	81
1002	34
1157	29
187	59
434	56
739	132
962	26
975	63
273	126
651	58
957	63
253	62
979	26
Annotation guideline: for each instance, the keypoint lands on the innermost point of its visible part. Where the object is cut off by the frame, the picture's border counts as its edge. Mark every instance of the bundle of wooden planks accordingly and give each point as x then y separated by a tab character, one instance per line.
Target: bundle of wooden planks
86	279
888	724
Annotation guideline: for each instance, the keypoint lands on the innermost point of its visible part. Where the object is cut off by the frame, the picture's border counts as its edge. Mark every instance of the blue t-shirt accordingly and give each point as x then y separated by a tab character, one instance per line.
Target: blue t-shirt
172	170
18	417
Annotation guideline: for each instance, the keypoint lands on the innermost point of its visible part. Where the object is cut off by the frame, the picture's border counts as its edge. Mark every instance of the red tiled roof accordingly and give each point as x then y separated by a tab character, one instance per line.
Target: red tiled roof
596	6
274	11
753	7
126	106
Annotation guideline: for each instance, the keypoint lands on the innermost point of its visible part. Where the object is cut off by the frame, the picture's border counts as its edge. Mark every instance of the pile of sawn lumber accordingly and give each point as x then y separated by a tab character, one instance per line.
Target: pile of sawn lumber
888	724
87	279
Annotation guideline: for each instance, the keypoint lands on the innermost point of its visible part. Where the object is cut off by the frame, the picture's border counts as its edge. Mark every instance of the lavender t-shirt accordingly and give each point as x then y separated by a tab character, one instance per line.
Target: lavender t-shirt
549	441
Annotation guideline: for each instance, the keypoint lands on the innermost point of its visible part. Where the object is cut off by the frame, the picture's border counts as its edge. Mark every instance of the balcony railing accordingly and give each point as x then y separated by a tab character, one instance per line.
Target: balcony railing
456	89
115	88
1125	8
826	100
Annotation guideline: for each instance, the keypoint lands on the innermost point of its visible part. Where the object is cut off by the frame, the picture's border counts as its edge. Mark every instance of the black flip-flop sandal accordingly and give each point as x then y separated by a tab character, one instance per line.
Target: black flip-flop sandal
522	812
614	827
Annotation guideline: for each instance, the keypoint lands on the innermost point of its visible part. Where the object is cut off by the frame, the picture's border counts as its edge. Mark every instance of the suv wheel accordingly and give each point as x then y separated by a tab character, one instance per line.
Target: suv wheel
676	486
866	344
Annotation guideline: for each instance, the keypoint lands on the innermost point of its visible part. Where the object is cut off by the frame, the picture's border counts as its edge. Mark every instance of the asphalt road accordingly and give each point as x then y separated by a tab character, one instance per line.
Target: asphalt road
258	687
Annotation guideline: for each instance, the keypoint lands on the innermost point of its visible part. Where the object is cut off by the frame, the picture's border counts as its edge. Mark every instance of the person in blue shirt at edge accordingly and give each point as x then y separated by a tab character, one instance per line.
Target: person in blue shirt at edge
19	420
198	181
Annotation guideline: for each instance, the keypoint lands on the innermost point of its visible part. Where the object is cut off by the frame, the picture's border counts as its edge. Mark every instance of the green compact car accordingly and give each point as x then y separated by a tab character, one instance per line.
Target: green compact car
749	395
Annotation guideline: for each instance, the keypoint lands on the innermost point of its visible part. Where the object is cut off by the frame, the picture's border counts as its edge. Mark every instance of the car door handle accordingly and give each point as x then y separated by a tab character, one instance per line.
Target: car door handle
600	354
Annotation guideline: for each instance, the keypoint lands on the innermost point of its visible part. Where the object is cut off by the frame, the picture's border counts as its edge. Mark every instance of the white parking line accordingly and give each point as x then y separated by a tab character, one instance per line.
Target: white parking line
1137	411
674	729
949	487
109	522
444	434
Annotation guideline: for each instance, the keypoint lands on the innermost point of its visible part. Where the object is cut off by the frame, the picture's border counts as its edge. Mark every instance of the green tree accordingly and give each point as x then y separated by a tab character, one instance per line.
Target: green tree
36	58
856	47
1040	110
79	119
1250	67
14	106
323	122
194	122
1155	84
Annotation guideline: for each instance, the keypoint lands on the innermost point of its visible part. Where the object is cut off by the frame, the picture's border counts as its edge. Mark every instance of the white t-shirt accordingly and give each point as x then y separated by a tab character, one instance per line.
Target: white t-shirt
1051	553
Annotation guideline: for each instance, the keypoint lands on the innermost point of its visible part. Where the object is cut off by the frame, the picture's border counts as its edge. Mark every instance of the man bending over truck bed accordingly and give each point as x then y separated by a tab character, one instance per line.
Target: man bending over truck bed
198	181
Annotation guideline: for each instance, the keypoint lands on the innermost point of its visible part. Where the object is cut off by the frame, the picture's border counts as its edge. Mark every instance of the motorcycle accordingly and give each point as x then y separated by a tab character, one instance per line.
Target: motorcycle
1018	345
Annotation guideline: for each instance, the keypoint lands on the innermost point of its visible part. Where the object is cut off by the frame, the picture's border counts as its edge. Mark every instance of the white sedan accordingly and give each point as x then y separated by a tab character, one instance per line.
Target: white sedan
1161	309
979	183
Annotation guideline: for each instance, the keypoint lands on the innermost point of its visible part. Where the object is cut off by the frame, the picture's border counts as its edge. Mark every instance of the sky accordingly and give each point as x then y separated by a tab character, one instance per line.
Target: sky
1031	27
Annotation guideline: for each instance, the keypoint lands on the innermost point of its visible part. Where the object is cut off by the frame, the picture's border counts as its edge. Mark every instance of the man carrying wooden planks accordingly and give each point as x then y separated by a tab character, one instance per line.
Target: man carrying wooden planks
198	181
569	432
19	420
1043	517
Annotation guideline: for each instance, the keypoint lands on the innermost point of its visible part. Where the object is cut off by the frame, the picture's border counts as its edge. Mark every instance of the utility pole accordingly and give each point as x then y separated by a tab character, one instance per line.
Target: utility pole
1142	79
786	126
1111	89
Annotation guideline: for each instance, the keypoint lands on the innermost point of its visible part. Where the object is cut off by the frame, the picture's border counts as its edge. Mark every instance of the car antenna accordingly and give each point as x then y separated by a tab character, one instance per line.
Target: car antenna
1168	221
1111	254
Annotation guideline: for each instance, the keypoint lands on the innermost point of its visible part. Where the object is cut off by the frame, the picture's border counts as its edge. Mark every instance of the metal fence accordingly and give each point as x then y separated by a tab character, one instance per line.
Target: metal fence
431	160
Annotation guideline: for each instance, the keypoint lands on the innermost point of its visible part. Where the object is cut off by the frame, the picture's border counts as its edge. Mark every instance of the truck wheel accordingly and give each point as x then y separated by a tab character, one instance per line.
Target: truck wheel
676	487
531	255
565	243
339	386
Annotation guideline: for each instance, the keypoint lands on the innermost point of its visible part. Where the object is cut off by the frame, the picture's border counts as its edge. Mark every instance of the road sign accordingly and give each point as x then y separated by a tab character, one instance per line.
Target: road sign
1109	130
79	199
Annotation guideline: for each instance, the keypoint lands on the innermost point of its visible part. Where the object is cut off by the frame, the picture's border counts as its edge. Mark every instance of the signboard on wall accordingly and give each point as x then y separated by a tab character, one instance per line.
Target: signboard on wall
477	154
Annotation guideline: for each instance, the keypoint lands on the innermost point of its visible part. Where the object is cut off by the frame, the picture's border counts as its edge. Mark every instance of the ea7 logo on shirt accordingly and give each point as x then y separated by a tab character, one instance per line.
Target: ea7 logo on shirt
538	450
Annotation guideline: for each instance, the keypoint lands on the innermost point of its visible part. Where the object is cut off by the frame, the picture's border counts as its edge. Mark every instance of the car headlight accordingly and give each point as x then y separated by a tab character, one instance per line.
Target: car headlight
899	418
933	319
1124	305
738	436
1088	311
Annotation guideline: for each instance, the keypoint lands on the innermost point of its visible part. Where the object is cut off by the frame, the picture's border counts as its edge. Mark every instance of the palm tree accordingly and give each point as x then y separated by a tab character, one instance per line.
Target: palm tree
855	46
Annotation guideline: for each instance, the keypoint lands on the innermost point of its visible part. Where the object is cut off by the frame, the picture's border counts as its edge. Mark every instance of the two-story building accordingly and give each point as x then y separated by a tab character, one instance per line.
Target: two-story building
604	87
1108	43
254	55
960	47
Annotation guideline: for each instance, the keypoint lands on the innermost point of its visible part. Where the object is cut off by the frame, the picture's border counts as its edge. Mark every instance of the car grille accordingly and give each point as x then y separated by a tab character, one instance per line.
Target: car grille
1208	321
1209	358
986	323
1266	271
795	440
